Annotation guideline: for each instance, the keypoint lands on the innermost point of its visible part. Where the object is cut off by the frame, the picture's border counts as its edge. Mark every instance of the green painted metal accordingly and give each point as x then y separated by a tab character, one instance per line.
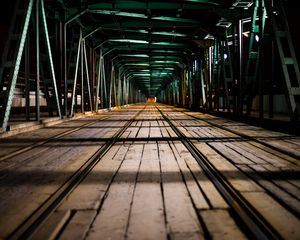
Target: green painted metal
37	90
98	81
75	77
58	104
142	16
187	4
103	85
90	32
87	74
13	81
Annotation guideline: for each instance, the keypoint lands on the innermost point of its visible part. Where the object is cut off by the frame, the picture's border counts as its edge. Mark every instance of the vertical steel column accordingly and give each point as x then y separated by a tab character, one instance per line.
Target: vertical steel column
87	75
260	68
190	85
183	86
37	90
98	81
118	90
13	81
102	82
240	68
127	91
65	60
111	83
124	91
82	82
60	62
210	52
65	72
202	84
75	77
271	100
27	81
50	58
104	104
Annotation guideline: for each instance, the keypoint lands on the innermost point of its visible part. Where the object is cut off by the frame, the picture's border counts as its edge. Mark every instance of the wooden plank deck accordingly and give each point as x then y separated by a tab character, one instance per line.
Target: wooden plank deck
148	189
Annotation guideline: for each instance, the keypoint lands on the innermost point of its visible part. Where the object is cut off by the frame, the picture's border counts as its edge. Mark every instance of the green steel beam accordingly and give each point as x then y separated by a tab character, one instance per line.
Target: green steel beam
143	16
186	4
12	85
140	31
58	104
145	24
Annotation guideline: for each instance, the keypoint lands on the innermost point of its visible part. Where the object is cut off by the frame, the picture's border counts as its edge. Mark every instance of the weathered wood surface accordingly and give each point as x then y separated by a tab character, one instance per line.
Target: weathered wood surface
148	189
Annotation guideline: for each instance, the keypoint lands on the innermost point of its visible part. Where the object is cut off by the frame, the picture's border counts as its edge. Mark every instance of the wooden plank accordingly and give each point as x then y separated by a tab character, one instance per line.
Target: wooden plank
52	226
78	226
154	124
185	132
292	179
234	156
147	215
155	132
207	187
182	220
271	187
143	132
245	151
192	186
164	132
89	194
112	220
285	223
29	185
279	156
133	132
235	177
221	225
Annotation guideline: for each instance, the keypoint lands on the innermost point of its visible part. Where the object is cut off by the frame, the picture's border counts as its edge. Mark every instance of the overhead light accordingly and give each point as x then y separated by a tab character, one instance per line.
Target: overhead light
208	36
137	64
256	38
242	4
134	55
129	41
223	23
246	34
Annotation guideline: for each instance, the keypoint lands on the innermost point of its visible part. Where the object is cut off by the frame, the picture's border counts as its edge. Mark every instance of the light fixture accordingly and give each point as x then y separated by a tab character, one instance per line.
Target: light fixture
246	34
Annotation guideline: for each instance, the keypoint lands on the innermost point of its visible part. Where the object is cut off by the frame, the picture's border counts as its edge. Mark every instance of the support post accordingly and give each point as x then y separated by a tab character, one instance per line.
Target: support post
13	80
65	72
82	79
27	81
271	100
261	56
87	75
104	100
240	68
58	104
37	90
75	77
210	52
98	81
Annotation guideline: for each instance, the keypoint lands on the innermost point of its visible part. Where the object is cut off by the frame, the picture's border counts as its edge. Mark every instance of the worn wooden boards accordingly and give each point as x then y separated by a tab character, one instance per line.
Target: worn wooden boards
147	186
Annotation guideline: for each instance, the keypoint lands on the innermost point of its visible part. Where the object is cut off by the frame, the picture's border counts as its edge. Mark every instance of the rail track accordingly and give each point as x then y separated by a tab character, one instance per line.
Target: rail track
250	220
31	224
257	226
244	136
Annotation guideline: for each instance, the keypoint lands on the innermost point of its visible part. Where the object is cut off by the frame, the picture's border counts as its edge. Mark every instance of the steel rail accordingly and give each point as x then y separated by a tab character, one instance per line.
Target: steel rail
30	225
290	154
40	143
255	223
